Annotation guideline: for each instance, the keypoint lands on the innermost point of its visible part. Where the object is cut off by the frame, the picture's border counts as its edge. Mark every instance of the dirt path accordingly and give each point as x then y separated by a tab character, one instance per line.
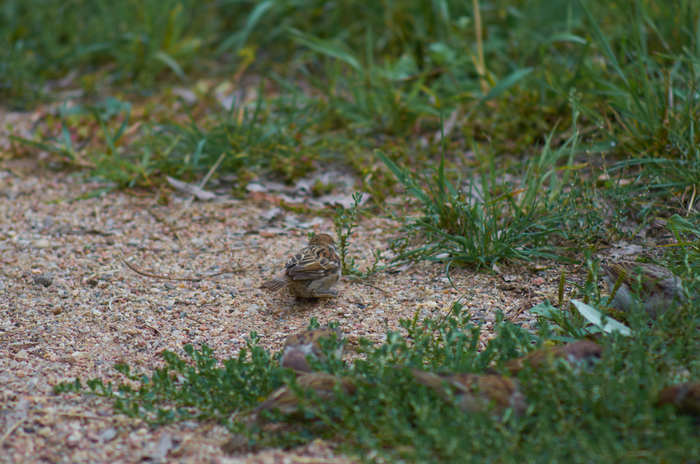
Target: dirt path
69	307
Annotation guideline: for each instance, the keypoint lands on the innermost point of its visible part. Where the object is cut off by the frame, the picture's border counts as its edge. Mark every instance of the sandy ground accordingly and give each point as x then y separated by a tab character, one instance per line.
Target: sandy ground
70	307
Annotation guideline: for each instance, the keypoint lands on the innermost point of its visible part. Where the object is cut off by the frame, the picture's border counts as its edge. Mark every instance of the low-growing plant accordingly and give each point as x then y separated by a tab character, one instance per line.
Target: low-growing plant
604	415
491	220
345	220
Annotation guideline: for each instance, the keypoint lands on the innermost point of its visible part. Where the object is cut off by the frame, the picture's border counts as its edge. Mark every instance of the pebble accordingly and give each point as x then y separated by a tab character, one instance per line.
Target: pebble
73	439
42	243
43	279
253	309
108	434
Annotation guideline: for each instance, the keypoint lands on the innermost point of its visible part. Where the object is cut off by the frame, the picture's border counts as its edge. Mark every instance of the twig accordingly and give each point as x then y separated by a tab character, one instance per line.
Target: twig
77	415
204	181
480	64
360	280
519	312
12	429
167	223
184	279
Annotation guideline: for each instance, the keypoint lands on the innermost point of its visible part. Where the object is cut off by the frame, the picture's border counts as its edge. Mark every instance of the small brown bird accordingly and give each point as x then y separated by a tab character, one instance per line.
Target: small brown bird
579	352
298	346
475	392
685	397
324	385
312	272
658	287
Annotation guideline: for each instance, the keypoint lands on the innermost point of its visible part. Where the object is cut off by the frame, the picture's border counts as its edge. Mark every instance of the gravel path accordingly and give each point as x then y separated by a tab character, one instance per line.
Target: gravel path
70	307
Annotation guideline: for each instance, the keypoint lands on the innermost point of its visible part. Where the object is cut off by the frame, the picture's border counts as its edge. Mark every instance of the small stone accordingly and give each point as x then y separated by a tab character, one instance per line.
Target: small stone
43	279
190	425
108	434
165	444
42	243
73	439
22	355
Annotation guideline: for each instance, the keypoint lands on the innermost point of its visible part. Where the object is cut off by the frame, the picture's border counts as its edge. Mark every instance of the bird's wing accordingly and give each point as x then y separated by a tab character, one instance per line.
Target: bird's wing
312	263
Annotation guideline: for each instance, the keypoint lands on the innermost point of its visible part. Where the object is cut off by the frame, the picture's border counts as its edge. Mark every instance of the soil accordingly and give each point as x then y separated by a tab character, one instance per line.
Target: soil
70	306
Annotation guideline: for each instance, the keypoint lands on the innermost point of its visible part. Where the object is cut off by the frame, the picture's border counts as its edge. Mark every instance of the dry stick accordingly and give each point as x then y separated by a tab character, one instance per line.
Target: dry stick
692	200
480	65
204	181
360	281
167	223
164	277
77	415
12	429
518	313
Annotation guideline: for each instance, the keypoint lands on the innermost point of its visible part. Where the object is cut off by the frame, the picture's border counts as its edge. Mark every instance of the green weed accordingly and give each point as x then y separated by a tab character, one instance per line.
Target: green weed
490	219
605	415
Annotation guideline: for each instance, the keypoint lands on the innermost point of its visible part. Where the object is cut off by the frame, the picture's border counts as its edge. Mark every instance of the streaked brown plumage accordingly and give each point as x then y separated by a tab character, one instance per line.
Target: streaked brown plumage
476	392
298	346
578	352
312	272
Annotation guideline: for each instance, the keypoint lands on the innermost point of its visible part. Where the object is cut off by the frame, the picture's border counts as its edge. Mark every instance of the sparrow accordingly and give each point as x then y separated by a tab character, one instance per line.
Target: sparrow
312	272
298	347
657	286
287	401
579	352
476	392
685	397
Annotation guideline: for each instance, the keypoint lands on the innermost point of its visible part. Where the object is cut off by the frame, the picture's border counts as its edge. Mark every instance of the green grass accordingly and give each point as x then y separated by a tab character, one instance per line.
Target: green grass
380	76
487	219
606	415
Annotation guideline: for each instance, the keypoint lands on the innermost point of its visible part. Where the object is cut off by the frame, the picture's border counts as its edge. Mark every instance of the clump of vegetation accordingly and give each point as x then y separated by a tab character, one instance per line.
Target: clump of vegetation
604	415
485	219
380	76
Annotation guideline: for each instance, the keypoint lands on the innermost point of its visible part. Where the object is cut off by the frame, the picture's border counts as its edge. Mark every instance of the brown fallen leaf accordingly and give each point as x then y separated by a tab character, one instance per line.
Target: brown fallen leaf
685	397
286	401
476	392
578	352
